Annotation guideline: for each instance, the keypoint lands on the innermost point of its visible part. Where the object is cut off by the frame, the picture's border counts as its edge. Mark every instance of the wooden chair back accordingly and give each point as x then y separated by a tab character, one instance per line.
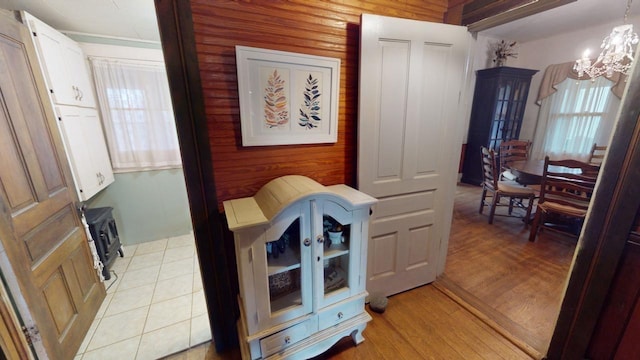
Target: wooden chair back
513	150
597	154
568	189
489	171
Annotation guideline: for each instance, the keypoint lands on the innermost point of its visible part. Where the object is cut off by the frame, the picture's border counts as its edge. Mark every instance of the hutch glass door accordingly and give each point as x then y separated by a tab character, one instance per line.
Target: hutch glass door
336	252
287	249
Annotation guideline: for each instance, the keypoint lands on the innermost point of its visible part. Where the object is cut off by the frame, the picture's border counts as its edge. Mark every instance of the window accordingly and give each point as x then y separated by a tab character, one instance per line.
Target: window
579	114
137	114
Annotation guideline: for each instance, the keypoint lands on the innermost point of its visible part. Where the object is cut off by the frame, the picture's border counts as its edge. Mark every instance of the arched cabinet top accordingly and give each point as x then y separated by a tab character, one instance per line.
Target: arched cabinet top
280	193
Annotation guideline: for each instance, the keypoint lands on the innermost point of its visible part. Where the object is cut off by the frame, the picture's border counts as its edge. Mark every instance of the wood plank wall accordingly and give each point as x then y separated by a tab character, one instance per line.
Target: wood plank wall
325	28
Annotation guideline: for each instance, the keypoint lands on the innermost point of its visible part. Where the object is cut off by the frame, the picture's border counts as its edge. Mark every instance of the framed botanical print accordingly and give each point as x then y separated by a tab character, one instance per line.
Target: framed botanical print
287	98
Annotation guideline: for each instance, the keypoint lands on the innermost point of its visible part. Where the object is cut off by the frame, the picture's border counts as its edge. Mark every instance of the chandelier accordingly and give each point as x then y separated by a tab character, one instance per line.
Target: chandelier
616	55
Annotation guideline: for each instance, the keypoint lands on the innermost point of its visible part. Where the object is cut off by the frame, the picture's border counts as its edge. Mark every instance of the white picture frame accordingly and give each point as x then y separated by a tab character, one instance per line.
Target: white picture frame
287	98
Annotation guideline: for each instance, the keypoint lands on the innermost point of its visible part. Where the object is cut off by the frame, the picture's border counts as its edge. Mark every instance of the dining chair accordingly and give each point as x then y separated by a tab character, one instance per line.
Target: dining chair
509	151
597	154
499	189
564	196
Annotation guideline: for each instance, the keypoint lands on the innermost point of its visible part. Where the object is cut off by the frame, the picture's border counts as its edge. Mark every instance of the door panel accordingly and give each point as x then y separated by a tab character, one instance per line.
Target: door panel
39	225
410	81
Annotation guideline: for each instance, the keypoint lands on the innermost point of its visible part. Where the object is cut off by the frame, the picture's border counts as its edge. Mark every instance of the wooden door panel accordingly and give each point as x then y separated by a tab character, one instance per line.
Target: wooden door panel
15	180
39	225
26	218
26	105
48	234
56	294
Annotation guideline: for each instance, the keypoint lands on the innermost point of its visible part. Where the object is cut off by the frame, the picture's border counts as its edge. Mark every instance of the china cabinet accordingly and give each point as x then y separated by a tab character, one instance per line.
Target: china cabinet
301	252
499	100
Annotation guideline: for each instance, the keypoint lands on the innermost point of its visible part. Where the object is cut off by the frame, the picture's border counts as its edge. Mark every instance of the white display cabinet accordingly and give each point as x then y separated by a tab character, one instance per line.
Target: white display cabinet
301	252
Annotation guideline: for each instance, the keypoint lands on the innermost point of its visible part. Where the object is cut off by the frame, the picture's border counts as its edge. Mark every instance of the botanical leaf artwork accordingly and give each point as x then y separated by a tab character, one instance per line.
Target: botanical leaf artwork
275	102
310	109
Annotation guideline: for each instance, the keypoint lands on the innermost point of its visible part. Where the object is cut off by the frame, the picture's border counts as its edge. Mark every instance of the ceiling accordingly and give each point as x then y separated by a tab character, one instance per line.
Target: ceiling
135	19
131	19
566	18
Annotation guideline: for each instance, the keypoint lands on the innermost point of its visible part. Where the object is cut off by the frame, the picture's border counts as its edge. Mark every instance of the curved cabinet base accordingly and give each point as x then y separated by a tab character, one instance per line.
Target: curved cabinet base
314	345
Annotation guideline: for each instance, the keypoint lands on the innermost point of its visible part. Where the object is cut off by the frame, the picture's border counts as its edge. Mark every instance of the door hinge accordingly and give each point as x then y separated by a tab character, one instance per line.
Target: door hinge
31	333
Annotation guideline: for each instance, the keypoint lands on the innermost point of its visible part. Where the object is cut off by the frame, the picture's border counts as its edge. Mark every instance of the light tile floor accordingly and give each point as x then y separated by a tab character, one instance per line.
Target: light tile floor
154	306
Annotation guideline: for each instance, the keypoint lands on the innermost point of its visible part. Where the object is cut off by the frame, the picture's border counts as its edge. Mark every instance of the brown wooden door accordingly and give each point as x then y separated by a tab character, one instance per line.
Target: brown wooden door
39	224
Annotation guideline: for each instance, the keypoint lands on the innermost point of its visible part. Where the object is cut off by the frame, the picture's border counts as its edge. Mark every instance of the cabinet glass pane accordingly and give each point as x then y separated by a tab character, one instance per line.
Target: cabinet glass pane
283	262
336	254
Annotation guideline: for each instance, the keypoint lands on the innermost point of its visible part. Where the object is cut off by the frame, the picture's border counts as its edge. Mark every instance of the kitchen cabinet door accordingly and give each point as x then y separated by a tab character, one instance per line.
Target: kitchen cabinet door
63	64
86	149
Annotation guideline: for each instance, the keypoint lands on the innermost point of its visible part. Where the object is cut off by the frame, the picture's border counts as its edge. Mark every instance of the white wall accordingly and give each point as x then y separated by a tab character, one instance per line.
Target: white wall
148	205
539	54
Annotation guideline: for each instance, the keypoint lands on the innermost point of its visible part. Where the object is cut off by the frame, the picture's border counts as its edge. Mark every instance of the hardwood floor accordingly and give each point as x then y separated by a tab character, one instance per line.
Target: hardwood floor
498	298
516	283
422	323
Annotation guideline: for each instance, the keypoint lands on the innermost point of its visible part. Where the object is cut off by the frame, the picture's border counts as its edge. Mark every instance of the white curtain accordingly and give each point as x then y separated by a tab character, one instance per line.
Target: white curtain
137	114
579	114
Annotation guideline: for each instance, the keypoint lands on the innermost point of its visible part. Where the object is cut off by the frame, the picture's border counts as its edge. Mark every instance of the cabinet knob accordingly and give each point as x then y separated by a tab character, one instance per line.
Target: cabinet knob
320	239
340	315
307	242
287	340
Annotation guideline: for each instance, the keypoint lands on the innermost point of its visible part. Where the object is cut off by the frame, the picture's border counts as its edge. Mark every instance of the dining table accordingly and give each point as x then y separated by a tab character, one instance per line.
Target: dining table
529	172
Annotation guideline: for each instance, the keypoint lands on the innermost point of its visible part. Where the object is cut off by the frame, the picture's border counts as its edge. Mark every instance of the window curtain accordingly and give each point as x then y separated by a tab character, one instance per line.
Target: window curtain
574	113
137	114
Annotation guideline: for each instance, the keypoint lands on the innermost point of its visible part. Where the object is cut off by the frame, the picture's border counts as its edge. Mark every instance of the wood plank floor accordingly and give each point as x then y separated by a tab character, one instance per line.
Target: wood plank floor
517	283
423	323
498	298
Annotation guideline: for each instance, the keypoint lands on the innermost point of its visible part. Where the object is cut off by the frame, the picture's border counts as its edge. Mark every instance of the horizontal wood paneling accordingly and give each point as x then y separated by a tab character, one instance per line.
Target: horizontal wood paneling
323	28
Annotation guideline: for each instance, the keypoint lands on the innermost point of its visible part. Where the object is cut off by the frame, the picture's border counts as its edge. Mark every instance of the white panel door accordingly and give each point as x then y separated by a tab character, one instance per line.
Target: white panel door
411	74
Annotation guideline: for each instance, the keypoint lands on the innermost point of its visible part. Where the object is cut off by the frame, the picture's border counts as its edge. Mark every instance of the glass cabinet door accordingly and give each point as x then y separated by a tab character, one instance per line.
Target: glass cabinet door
337	238
334	268
284	265
282	268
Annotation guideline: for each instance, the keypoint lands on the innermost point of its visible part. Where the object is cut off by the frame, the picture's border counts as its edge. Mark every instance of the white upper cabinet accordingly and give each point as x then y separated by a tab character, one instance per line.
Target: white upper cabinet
72	96
64	65
82	134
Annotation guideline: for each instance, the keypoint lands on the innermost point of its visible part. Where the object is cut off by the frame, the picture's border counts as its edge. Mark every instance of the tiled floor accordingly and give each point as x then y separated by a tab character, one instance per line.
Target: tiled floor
155	304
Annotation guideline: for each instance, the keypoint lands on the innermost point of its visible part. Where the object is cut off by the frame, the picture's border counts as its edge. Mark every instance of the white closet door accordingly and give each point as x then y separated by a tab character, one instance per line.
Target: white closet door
411	73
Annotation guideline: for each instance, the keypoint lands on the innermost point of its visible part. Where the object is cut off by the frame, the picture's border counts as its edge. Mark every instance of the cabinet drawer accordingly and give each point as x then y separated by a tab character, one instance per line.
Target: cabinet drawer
285	338
340	312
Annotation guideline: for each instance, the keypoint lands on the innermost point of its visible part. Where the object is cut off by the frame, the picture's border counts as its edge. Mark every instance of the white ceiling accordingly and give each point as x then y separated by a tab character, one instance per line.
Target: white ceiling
135	19
131	19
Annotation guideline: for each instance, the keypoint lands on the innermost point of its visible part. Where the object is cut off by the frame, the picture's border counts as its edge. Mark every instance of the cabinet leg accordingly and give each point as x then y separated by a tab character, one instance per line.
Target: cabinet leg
121	251
356	335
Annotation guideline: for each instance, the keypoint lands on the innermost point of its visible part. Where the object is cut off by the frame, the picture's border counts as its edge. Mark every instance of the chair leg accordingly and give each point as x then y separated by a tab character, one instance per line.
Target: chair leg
534	226
528	214
511	200
494	203
482	199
